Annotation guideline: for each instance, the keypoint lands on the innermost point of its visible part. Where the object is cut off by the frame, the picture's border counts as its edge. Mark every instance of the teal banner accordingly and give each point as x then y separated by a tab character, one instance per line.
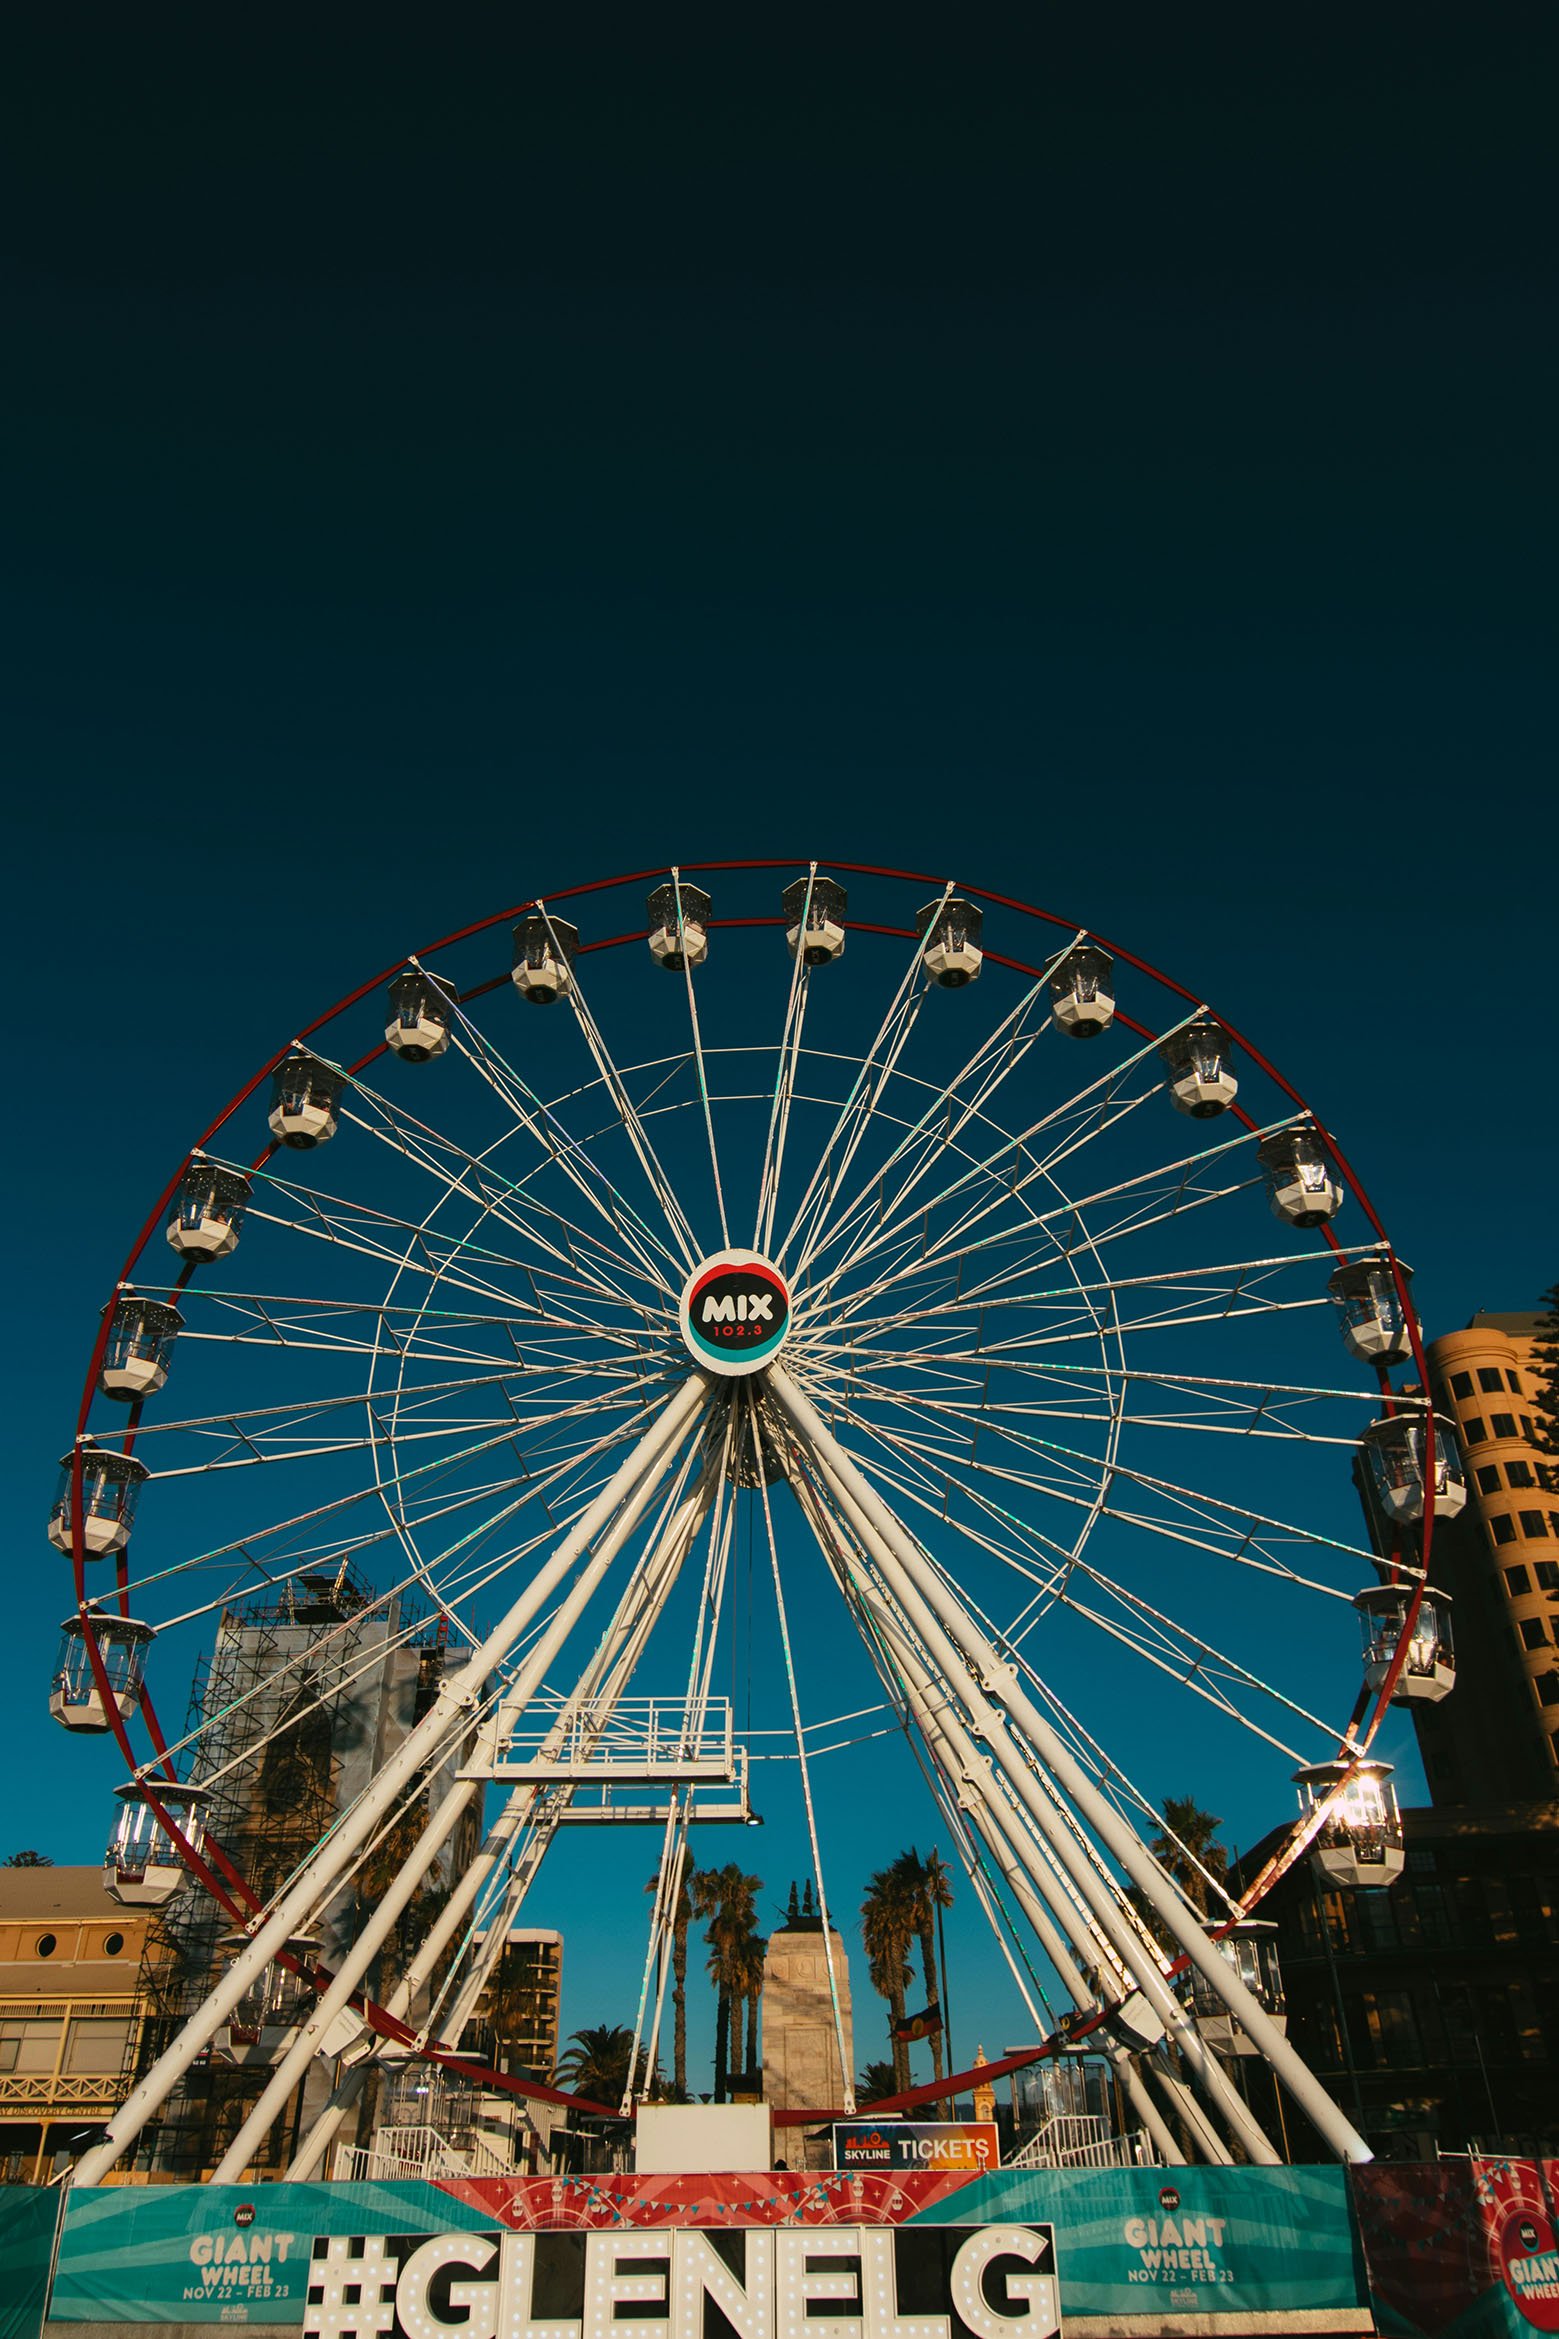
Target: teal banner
28	2214
1139	2242
222	2253
1211	2241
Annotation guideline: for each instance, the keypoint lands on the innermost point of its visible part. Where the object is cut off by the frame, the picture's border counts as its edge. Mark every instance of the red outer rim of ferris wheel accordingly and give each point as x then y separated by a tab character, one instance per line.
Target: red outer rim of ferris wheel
1369	1713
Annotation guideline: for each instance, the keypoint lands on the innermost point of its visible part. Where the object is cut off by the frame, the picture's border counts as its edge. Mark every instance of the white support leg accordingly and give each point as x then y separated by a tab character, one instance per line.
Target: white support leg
641	1603
354	1965
886	1540
459	1697
962	1769
998	1677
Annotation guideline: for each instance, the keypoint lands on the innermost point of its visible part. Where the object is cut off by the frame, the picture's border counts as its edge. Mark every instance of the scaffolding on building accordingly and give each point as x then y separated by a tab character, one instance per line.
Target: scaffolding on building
289	1706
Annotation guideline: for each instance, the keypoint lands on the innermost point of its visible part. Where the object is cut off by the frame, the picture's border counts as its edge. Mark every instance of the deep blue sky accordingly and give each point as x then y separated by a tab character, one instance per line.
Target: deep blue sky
1112	462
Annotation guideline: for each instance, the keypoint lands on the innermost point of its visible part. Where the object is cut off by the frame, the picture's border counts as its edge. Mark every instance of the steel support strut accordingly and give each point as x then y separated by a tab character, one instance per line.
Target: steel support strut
641	1603
1090	1910
998	1679
306	2041
459	1698
951	1751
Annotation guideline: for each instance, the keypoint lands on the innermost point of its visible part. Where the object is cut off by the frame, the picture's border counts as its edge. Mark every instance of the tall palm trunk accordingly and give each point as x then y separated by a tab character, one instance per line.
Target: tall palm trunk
928	1965
734	2012
679	1997
895	1995
722	2034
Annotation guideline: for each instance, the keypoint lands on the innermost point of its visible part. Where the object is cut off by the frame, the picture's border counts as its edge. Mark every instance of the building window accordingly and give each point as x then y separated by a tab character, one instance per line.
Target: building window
1502	1425
1389	2033
29	2046
113	1944
1488	1478
97	2045
1527	1430
1534	1524
1473	1431
45	1944
1547	1570
1461	1384
1513	1383
1548	1688
1517	1582
1503	1528
1517	1474
1489	1380
1534	1633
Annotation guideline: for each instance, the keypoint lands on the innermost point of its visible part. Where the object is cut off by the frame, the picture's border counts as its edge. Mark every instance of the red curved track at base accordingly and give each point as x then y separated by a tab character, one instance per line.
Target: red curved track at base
1368	1715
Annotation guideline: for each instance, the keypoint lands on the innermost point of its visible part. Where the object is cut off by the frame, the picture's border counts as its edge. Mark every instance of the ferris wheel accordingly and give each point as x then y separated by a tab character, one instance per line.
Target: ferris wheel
989	1282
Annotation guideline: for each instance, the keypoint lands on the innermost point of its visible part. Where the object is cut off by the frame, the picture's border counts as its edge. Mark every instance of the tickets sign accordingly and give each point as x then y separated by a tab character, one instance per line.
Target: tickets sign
935	2147
688	2282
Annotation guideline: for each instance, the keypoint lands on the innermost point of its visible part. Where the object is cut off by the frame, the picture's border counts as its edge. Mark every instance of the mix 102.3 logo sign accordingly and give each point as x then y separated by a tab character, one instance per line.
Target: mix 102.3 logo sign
689	2282
735	1312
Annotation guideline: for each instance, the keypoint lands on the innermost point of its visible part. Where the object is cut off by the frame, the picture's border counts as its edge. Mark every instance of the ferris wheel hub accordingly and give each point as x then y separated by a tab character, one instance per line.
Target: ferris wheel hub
735	1312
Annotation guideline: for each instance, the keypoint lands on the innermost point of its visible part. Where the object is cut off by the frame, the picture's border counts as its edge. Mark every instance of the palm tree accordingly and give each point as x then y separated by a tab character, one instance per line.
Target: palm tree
876	2081
887	1929
929	1887
749	1979
729	1899
1184	1847
681	1918
595	2062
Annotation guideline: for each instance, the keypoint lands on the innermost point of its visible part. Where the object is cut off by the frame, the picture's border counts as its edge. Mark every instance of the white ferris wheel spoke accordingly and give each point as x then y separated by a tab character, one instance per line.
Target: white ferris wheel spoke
571	1154
1183	1196
701	1072
933	1142
443	1259
632	1126
778	1130
1210	1513
582	1258
1210	1295
854	1115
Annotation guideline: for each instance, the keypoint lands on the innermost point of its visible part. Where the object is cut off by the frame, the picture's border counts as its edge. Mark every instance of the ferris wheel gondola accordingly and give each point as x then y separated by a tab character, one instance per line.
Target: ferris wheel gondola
515	1342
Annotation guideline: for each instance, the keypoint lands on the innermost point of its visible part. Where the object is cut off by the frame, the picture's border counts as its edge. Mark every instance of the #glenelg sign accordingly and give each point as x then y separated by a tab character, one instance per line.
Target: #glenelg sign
688	2282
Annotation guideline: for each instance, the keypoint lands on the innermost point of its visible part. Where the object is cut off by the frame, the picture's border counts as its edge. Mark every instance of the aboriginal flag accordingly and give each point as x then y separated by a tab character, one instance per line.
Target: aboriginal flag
916	2026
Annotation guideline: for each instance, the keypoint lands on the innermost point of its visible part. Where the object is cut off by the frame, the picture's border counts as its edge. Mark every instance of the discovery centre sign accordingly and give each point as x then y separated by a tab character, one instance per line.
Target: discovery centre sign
685	2282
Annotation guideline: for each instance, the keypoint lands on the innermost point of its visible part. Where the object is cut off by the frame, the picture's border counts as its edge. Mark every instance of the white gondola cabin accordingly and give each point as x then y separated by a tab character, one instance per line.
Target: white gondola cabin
814	910
141	1333
950	934
1200	1079
1082	991
305	1093
75	1700
143	1866
679	926
1360	1841
259	2024
1250	1946
208	1211
1374	1323
544	951
1429	1667
110	1488
1393	1452
1304	1188
421	1011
